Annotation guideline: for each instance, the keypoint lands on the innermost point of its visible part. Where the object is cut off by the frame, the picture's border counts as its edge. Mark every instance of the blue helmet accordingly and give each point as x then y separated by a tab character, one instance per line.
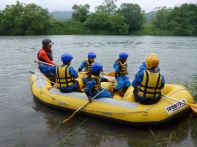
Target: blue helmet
96	67
66	57
123	56
91	55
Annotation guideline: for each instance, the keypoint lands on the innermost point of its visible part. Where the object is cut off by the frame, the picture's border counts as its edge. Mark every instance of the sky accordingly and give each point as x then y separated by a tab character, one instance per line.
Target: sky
66	5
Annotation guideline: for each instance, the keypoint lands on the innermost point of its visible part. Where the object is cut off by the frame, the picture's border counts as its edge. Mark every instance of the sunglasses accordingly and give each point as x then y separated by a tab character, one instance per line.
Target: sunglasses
51	43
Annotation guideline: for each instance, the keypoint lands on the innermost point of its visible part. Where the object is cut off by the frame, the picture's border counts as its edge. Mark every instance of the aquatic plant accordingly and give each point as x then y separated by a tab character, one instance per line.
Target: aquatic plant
194	86
21	140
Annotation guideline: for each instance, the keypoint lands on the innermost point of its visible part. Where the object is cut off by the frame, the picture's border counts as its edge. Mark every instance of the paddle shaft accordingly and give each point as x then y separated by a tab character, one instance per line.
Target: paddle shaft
110	74
175	99
41	77
83	106
43	63
192	106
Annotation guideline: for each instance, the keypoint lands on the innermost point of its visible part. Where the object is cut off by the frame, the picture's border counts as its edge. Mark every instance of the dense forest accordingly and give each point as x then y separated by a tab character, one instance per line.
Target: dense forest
108	19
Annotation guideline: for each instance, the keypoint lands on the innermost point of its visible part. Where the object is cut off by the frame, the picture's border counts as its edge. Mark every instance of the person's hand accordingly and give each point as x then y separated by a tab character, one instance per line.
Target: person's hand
36	61
56	85
79	69
90	99
102	73
49	88
112	81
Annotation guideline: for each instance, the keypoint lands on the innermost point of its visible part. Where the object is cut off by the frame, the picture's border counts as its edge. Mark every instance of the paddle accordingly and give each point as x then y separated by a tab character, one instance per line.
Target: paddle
83	106
42	77
111	74
36	61
192	106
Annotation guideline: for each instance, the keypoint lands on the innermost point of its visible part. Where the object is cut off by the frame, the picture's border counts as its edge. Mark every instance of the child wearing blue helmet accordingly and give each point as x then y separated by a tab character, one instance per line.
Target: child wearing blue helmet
65	74
93	84
86	64
120	67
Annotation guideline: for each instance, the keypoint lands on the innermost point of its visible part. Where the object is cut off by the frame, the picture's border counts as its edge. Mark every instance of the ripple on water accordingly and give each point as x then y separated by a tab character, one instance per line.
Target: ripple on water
42	126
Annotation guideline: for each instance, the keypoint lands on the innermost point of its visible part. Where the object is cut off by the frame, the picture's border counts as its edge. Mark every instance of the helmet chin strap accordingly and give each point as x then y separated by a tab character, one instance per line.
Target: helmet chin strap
153	69
123	60
90	61
67	63
97	73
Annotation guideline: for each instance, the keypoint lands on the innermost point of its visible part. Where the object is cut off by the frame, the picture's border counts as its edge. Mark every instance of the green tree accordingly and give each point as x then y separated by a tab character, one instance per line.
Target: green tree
133	16
185	18
98	21
107	23
21	19
180	20
108	6
36	20
118	25
80	12
161	18
11	20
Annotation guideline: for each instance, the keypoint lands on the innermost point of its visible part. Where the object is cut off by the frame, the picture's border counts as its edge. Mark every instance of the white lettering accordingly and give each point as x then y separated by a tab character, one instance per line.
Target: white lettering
176	106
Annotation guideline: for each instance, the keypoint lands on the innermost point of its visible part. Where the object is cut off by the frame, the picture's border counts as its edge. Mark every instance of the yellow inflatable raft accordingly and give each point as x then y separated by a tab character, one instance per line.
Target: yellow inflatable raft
117	108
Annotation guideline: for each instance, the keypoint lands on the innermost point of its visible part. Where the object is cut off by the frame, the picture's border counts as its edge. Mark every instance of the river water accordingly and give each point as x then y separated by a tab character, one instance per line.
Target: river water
25	122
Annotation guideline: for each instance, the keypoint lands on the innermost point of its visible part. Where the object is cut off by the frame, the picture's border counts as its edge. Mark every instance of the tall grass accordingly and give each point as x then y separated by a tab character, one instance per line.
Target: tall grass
21	142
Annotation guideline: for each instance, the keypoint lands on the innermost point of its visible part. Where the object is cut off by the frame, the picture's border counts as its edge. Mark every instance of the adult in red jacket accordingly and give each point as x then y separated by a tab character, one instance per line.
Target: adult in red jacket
45	54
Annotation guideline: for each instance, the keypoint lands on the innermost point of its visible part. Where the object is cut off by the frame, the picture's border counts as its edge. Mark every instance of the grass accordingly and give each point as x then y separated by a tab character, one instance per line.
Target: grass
21	141
194	130
194	86
164	141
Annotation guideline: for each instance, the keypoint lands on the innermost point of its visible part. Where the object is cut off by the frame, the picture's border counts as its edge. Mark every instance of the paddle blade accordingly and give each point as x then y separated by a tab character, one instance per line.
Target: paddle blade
67	119
80	108
193	107
111	74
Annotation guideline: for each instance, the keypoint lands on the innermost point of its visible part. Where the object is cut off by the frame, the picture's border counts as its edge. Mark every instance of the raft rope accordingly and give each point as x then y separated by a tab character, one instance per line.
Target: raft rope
110	113
170	95
176	91
143	111
90	110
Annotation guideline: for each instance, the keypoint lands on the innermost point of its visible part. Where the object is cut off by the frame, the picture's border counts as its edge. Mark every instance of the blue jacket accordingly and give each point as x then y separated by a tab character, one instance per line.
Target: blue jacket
51	71
116	67
83	65
89	86
140	74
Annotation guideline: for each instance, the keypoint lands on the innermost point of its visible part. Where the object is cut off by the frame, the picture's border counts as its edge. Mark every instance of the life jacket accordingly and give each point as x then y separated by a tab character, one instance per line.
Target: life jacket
49	54
88	65
122	68
63	76
97	86
150	87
